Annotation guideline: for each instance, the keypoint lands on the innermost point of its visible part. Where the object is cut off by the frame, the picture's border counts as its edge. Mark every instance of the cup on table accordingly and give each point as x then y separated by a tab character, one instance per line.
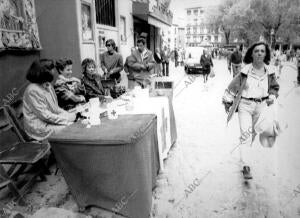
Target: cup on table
94	102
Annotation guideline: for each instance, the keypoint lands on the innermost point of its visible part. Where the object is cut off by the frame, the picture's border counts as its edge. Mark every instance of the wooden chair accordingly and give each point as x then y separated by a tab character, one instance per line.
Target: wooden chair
15	151
15	111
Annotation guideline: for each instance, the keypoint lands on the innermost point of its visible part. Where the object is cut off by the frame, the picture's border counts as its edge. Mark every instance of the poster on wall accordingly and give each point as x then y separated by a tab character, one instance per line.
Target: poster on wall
18	27
86	20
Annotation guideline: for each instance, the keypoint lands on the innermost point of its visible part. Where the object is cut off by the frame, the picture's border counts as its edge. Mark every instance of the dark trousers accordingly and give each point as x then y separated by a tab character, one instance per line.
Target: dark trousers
165	70
205	74
298	77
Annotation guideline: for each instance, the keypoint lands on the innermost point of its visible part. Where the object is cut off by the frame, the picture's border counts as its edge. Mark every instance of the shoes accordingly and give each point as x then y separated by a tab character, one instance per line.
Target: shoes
246	172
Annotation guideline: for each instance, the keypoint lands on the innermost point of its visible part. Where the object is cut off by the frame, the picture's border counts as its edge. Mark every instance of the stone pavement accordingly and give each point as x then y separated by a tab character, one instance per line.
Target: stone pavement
202	176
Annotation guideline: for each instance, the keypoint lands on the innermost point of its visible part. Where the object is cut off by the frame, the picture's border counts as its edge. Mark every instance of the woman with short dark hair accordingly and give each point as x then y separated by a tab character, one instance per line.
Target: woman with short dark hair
42	115
253	89
69	90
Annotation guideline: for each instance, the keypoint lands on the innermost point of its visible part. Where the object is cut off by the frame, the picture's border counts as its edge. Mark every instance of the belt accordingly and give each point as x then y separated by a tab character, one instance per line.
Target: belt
256	99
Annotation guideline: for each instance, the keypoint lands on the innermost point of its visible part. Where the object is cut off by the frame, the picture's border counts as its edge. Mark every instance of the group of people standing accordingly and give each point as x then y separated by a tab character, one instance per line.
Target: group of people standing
50	104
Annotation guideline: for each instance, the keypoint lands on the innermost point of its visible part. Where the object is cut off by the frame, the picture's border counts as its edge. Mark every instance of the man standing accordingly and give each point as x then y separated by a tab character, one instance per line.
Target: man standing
235	60
141	65
176	57
111	61
165	55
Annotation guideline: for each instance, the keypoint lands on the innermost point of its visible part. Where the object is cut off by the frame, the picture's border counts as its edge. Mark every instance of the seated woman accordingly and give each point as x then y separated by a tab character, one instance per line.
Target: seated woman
42	115
91	80
69	90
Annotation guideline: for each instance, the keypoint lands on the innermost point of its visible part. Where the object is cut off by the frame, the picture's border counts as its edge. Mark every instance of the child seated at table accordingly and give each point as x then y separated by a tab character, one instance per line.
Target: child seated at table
91	80
69	90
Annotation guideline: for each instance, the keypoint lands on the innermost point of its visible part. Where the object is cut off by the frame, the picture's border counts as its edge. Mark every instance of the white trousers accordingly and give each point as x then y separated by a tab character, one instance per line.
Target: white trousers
249	112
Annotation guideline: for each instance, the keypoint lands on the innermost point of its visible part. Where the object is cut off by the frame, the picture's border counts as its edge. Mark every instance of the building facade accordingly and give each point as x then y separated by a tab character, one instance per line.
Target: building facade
151	18
198	31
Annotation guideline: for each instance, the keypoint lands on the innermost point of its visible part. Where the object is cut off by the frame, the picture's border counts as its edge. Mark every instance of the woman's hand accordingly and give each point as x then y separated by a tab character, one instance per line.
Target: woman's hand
271	99
227	106
71	116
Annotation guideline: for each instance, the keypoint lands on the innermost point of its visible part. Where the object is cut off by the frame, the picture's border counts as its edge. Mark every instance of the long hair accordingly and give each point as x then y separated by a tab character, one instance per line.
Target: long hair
248	56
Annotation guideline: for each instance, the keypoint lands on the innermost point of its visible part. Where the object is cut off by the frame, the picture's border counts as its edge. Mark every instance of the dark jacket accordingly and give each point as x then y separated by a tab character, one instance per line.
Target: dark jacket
93	86
157	59
206	62
69	92
233	93
236	57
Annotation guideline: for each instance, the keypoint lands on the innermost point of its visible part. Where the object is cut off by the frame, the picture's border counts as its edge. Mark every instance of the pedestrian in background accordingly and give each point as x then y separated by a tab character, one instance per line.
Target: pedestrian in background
206	63
298	65
176	57
158	60
250	92
235	61
165	55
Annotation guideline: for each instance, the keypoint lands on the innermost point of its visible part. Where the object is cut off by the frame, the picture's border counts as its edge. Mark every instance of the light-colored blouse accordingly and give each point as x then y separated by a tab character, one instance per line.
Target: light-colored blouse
256	86
42	115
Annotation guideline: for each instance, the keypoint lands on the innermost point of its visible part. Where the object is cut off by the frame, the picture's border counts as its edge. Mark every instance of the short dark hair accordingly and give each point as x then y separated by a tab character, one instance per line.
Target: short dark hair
87	62
40	71
62	63
248	56
112	42
141	40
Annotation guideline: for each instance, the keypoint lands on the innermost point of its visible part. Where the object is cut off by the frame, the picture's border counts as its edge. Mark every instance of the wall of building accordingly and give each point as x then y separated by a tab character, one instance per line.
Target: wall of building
13	67
125	10
58	29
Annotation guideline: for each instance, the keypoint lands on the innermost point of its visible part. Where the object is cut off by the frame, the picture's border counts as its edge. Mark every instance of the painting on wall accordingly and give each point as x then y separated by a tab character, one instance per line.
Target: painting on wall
18	27
86	21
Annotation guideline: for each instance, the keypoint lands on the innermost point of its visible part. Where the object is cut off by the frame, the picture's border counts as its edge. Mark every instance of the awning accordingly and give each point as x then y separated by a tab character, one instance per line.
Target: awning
155	22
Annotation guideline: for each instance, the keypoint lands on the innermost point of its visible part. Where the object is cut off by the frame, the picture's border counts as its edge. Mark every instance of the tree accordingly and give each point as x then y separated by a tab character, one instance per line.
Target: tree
250	19
221	16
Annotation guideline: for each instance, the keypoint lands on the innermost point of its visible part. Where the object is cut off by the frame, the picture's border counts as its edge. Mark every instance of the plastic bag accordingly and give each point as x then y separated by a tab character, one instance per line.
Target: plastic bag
212	73
268	126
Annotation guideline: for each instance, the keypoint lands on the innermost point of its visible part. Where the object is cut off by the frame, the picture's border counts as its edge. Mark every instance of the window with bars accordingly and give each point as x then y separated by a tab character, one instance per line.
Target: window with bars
105	12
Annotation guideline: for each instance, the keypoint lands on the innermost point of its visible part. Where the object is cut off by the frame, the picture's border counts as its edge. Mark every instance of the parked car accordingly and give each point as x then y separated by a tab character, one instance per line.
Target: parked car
192	61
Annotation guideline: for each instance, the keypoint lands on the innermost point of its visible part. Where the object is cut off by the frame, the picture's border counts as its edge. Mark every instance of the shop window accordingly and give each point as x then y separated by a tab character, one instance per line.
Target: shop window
105	12
188	12
196	12
123	28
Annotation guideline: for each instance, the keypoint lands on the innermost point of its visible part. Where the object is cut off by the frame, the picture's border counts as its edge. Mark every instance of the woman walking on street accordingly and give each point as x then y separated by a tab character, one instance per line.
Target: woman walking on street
206	63
253	89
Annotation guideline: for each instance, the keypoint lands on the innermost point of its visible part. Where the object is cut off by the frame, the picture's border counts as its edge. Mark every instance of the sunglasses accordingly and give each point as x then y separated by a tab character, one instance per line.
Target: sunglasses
108	45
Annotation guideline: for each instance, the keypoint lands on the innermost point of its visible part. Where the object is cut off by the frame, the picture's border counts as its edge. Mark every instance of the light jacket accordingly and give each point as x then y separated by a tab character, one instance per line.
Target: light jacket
41	111
233	93
134	64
